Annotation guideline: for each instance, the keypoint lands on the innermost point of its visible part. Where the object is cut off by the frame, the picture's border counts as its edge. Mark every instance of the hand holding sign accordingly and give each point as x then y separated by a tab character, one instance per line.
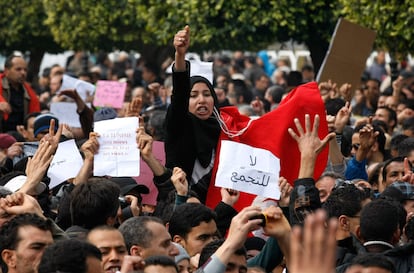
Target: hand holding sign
134	107
91	146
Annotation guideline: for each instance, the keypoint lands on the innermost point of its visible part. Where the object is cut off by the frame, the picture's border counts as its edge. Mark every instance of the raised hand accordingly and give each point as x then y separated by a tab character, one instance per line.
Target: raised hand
346	91
342	117
313	249
52	137
91	147
181	44
308	140
37	166
229	196
309	144
179	180
134	108
20	203
285	190
408	172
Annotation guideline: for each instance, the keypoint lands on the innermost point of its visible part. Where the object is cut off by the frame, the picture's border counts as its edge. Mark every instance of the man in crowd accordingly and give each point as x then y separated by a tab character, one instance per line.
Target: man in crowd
111	243
17	98
147	236
22	242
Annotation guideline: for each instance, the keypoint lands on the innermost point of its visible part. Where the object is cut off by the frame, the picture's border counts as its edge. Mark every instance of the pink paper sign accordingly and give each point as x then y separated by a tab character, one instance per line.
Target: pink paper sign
110	94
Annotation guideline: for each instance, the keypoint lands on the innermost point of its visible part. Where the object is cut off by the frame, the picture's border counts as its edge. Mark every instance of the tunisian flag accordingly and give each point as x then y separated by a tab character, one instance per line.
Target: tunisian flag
270	132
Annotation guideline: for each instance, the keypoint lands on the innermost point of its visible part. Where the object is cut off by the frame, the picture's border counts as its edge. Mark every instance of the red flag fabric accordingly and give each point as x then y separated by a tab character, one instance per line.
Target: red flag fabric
270	132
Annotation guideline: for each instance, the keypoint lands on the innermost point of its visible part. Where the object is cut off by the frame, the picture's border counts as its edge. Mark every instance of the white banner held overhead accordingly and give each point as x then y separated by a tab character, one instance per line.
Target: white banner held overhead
118	152
248	169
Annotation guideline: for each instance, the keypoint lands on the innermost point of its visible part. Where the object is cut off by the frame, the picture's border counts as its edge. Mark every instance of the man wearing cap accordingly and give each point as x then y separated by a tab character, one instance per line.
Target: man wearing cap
407	198
130	196
42	124
16	180
6	141
17	98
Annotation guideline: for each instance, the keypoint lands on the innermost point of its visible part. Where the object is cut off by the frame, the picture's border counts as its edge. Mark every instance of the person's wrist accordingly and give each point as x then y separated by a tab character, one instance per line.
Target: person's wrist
228	201
182	192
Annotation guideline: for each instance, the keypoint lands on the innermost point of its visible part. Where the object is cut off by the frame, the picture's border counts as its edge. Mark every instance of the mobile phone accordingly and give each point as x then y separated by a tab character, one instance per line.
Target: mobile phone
261	216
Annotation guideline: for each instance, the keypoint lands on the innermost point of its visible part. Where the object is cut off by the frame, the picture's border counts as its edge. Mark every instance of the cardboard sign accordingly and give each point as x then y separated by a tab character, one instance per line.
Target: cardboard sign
110	94
248	169
345	60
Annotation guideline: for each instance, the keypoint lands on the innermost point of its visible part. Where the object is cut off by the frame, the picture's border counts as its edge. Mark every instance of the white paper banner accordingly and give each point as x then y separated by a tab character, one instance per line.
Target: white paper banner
118	153
84	89
66	113
248	169
65	164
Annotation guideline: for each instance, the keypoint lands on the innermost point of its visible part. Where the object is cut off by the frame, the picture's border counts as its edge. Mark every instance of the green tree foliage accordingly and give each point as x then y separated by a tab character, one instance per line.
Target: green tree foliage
218	24
93	25
243	25
149	25
23	28
392	20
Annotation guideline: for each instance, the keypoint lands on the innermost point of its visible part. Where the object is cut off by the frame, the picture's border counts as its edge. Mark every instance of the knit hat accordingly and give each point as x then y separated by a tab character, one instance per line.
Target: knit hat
6	141
42	122
182	254
104	113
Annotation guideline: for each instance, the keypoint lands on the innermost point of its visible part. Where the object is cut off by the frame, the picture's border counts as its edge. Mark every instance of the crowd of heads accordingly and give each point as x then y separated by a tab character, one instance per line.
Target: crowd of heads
107	224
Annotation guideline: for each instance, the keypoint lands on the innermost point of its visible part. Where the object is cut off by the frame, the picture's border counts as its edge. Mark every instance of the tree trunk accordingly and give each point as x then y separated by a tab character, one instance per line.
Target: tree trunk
157	54
318	50
36	56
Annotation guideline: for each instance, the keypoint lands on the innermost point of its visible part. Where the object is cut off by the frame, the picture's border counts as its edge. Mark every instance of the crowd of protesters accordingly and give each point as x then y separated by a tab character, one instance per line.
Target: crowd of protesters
357	215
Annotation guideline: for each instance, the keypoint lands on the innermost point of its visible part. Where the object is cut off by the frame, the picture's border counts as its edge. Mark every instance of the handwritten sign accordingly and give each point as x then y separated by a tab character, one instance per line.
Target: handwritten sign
84	89
110	94
65	164
118	153
248	169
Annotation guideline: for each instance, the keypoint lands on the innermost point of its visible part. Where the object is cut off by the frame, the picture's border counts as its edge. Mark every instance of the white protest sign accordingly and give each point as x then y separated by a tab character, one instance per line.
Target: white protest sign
83	88
66	113
118	153
199	68
66	163
248	169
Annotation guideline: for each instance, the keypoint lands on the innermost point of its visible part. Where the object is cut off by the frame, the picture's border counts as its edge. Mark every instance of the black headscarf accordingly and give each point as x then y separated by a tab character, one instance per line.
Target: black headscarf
206	132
